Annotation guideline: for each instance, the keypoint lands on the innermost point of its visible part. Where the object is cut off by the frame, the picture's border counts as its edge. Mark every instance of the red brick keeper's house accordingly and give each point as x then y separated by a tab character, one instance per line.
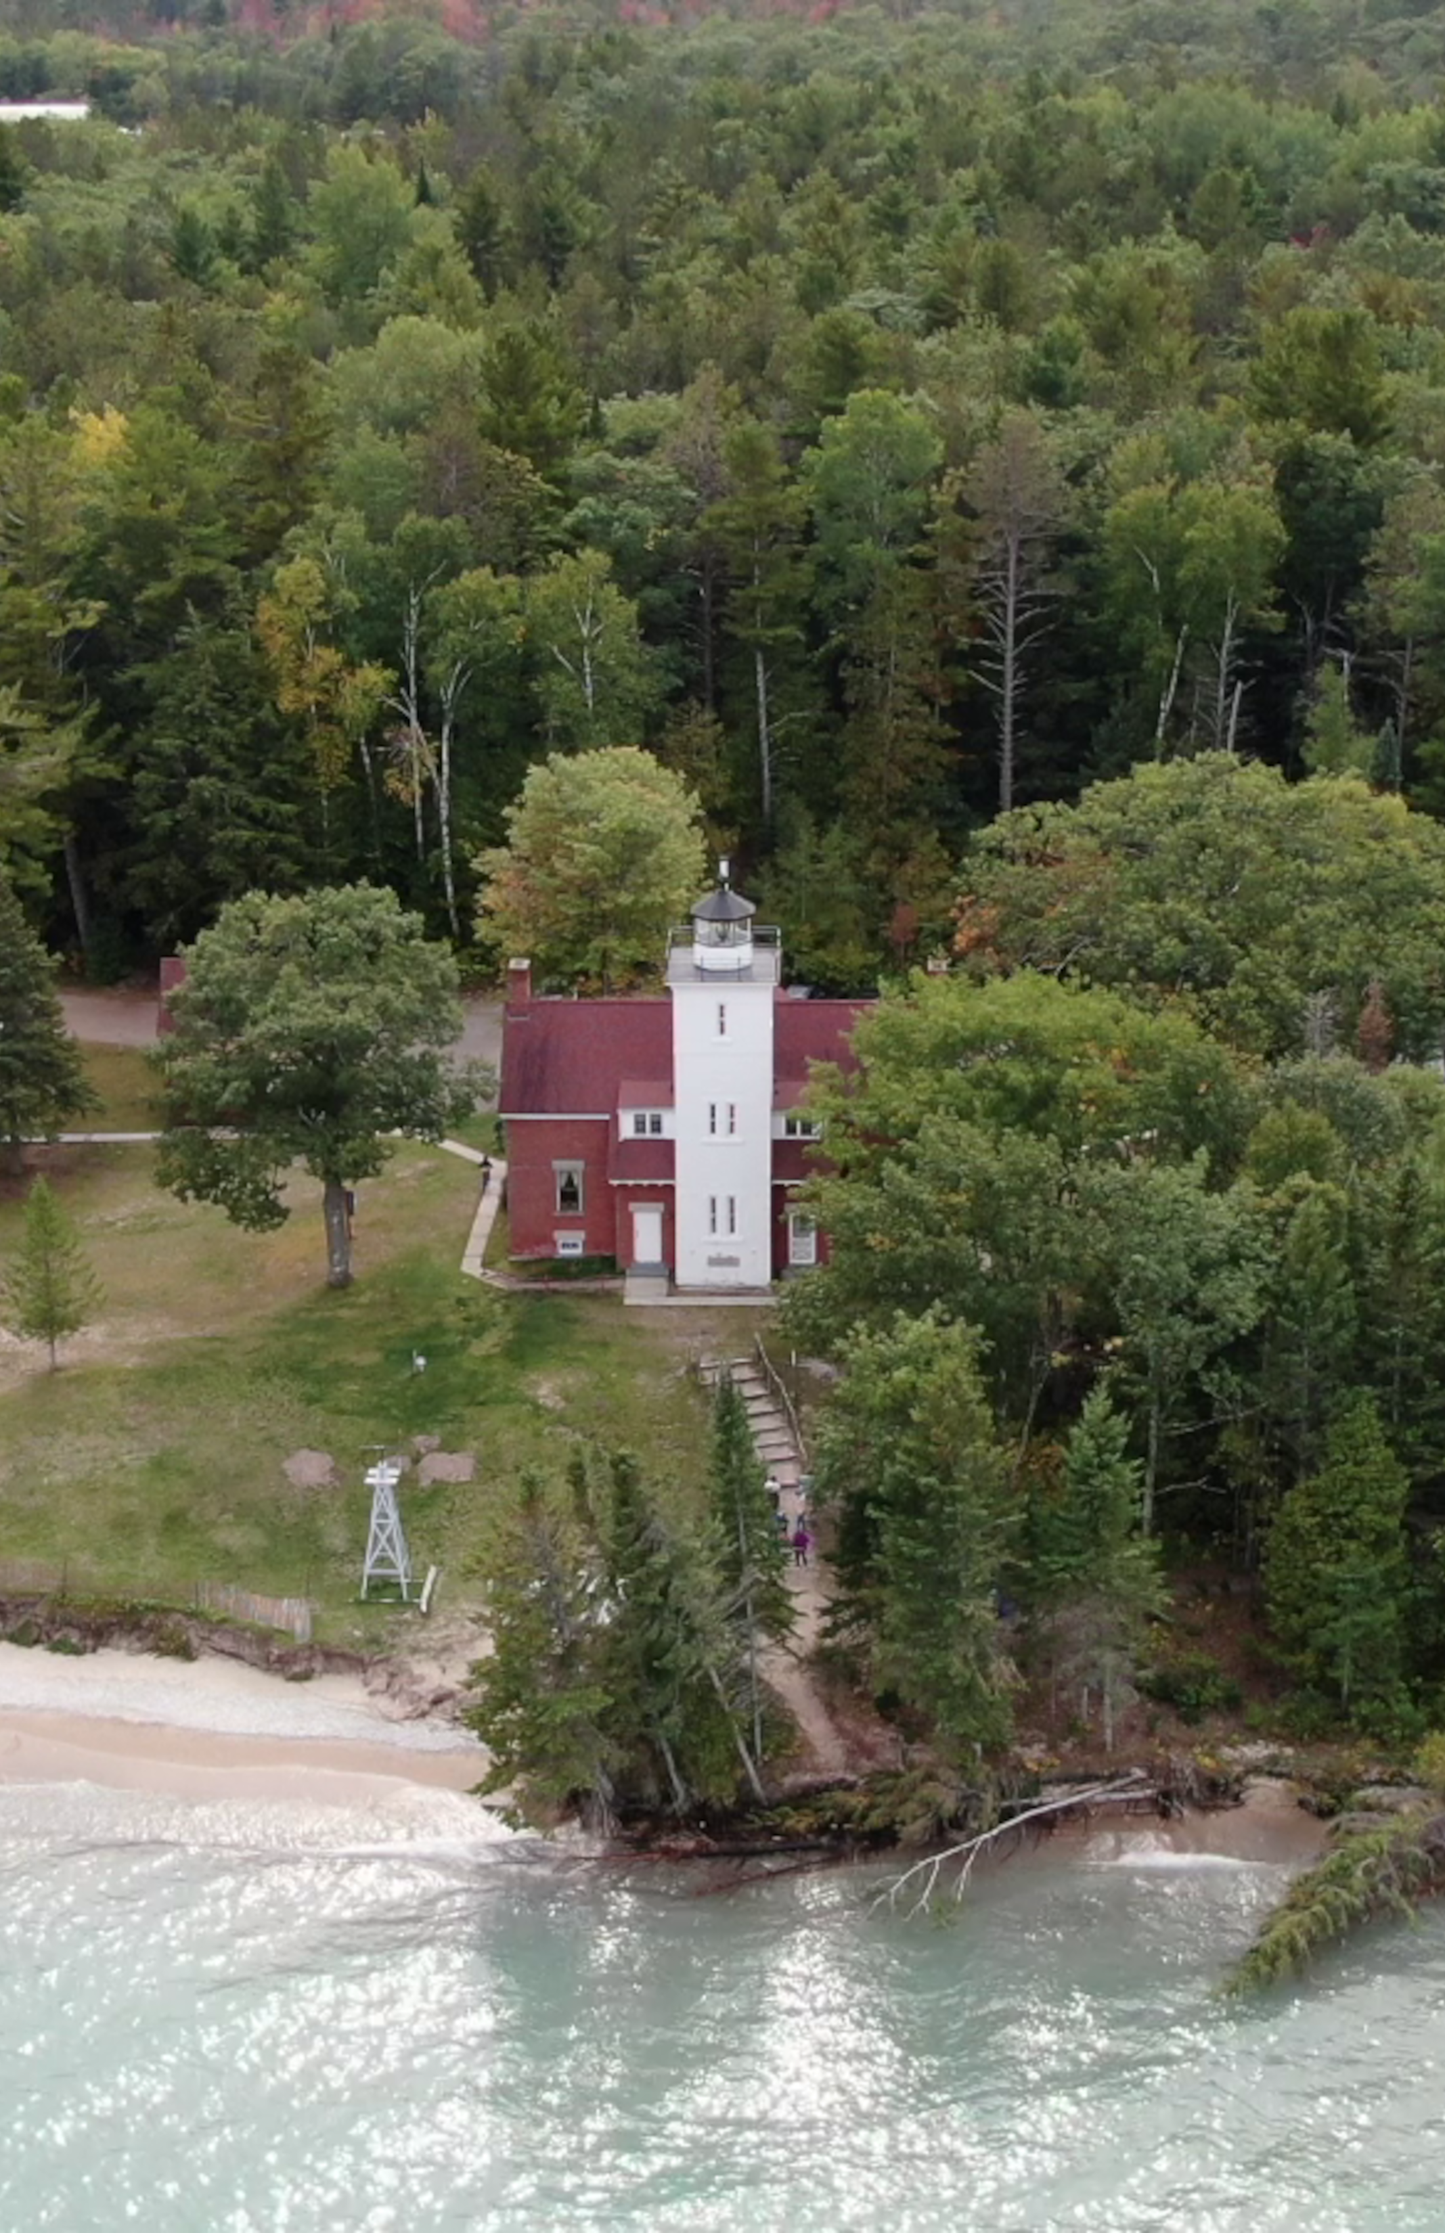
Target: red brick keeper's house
666	1131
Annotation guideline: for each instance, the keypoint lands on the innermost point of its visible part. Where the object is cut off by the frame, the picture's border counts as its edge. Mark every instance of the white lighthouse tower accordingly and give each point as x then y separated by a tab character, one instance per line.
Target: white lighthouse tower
723	975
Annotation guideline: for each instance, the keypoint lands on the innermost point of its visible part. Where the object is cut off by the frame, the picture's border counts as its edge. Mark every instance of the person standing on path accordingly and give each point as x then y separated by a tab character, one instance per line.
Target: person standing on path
802	1543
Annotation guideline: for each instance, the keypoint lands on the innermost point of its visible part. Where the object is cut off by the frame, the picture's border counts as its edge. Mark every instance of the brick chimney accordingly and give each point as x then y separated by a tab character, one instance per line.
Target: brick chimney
519	986
173	973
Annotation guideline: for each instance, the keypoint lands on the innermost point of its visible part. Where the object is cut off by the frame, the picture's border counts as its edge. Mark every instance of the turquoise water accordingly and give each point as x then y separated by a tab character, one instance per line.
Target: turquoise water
243	2021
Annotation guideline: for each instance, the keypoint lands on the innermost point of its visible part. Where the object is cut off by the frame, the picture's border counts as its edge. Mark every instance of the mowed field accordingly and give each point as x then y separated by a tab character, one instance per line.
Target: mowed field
156	1455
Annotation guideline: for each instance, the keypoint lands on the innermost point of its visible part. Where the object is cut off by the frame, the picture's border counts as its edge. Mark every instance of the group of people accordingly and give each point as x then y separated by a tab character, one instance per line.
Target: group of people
796	1533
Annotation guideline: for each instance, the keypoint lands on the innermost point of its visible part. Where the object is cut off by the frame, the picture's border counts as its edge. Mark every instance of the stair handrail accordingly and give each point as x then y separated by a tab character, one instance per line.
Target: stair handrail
776	1384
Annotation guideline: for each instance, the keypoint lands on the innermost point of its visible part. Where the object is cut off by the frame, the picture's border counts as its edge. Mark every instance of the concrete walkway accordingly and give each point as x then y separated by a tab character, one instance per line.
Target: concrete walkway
93	1140
486	1216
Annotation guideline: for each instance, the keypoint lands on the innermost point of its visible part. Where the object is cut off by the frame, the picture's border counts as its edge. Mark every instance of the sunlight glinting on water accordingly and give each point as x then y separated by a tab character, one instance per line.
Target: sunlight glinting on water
216	2023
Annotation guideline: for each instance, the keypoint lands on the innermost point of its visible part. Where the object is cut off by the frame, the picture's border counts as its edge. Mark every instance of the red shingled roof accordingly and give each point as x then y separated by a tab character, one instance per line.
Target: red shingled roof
573	1057
568	1057
807	1031
648	1162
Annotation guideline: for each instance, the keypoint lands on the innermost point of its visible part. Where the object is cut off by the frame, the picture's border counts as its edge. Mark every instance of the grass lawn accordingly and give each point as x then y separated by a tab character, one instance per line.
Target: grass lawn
126	1085
479	1130
155	1456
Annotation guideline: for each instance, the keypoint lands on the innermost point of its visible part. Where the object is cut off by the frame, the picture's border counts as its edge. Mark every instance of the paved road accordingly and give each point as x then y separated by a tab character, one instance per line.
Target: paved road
122	1017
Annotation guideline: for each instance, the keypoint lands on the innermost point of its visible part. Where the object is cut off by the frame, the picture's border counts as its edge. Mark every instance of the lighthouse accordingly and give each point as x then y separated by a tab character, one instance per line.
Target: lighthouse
722	975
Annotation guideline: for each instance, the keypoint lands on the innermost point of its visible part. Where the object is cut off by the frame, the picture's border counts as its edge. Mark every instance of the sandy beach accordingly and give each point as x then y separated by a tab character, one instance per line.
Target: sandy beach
212	1729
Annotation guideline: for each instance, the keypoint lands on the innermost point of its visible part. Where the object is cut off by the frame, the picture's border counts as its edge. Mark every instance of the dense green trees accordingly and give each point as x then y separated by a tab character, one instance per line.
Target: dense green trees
1214	885
1196	1299
879	422
622	1670
844	431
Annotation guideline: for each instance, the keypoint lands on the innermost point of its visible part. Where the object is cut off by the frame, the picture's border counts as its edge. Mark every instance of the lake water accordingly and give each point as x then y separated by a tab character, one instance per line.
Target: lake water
248	2020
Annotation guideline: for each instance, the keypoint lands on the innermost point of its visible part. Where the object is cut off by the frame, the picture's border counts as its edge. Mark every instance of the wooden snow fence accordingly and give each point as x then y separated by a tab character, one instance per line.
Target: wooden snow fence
33	1577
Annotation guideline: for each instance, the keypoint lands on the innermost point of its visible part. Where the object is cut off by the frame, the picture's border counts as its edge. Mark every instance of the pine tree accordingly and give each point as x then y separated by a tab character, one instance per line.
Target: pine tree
673	1669
540	1707
1100	1574
909	1460
48	1289
1336	1575
41	1078
1334	744
750	1547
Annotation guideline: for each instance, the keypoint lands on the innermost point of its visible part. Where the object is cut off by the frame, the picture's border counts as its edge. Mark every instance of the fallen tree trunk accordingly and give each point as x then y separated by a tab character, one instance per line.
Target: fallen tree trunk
1127	1789
1374	1873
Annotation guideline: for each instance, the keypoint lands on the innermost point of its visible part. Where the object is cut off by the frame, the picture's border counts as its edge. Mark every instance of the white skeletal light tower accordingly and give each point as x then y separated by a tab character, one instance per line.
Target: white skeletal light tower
387	1557
723	976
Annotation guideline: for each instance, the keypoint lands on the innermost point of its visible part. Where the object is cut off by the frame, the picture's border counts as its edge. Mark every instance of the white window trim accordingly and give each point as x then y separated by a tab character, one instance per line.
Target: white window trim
802	1228
565	1168
570	1244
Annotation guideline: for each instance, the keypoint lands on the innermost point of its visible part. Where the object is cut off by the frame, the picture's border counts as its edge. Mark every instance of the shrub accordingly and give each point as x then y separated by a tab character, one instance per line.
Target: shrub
1193	1684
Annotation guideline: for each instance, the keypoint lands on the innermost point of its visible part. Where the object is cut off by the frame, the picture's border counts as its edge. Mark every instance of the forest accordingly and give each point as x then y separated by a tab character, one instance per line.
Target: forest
886	421
991	459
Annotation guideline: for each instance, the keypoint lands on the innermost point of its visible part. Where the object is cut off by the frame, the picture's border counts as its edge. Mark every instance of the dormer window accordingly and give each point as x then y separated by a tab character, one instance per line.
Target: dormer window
647	1124
797	1127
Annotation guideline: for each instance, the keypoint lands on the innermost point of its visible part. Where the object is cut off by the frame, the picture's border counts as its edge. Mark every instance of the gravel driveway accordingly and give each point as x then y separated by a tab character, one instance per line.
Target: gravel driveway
122	1017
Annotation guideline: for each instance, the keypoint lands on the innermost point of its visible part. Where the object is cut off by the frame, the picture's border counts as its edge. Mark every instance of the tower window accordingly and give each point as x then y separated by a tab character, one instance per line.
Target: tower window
722	1019
732	1213
712	1213
732	1116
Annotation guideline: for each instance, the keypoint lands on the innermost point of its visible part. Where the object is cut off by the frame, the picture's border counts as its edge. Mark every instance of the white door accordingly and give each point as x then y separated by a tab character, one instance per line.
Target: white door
647	1236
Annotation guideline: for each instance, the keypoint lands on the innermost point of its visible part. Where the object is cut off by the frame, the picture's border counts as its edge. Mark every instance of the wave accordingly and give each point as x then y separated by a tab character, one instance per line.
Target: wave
416	1819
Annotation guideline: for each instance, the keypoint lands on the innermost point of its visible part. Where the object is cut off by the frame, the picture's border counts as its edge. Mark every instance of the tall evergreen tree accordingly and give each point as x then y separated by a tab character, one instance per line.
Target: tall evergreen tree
672	1664
909	1461
540	1706
42	1081
1098	1575
750	1547
1335	1569
48	1289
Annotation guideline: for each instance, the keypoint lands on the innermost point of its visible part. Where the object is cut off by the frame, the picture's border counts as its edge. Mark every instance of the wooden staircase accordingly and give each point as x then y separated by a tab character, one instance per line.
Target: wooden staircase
777	1436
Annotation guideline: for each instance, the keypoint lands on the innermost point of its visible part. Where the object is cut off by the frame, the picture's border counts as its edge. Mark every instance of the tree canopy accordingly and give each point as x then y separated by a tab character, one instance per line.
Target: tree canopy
1215	886
308	1030
604	855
